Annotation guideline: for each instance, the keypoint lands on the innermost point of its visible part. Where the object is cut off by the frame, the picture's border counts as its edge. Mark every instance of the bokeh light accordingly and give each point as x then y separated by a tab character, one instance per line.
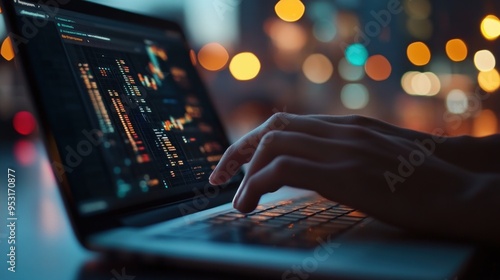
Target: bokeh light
213	56
286	36
354	96
456	50
485	124
317	68
24	152
406	82
349	72
418	53
489	81
346	24
356	54
420	28
484	60
435	83
457	102
418	9
322	10
290	10
324	31
7	51
24	123
245	66
378	67
490	27
421	84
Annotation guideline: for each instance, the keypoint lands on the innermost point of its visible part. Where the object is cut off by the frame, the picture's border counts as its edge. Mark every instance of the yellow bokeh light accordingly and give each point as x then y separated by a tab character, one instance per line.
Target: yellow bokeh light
490	27
378	67
421	84
244	66
435	83
406	82
290	10
418	53
489	81
484	60
317	68
213	56
456	50
485	124
7	50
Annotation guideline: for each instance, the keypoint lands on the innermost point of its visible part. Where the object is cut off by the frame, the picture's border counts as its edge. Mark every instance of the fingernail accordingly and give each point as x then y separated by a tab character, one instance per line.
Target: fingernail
212	178
235	202
237	195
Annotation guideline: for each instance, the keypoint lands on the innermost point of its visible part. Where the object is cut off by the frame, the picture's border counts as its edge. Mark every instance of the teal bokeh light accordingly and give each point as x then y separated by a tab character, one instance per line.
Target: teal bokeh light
356	54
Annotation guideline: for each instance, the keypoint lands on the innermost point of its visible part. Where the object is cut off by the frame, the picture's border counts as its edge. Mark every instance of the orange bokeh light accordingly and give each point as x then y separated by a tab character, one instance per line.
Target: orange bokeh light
485	124
378	67
7	51
418	53
456	50
213	56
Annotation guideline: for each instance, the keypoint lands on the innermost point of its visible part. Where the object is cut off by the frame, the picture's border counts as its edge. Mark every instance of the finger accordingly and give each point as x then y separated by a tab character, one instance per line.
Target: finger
242	151
283	170
284	143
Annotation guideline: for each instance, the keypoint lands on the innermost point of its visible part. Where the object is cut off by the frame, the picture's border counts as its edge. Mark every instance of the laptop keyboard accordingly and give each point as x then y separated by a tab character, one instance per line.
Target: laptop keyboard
297	224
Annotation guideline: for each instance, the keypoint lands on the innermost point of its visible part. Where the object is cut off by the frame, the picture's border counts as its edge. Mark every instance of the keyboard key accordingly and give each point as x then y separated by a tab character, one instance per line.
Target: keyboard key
356	214
259	218
270	214
305	212
326	216
295	215
286	218
318	219
236	215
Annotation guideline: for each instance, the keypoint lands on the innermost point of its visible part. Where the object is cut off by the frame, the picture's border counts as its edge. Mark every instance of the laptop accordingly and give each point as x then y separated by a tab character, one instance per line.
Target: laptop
132	137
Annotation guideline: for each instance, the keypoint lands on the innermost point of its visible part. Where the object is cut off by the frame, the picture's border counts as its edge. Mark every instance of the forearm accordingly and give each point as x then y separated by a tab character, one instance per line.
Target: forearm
474	154
460	207
482	209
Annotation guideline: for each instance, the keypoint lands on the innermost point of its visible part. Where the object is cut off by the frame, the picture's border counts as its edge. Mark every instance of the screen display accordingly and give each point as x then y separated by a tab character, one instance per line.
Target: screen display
127	109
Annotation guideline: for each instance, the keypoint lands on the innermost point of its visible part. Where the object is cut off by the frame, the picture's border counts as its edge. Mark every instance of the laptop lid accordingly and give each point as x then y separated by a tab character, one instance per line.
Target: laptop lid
128	123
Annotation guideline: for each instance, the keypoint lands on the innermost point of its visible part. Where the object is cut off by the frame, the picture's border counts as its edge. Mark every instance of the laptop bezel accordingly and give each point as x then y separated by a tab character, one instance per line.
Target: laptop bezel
84	226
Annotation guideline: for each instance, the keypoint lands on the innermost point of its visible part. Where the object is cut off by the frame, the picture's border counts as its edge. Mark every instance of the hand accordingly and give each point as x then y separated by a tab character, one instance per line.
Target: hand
369	165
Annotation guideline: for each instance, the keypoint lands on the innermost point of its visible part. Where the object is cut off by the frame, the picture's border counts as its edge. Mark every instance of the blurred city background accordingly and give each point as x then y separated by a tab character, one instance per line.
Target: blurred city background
416	63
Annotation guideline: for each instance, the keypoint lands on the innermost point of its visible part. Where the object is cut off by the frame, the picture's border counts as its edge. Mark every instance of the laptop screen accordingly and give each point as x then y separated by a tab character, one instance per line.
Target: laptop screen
127	110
